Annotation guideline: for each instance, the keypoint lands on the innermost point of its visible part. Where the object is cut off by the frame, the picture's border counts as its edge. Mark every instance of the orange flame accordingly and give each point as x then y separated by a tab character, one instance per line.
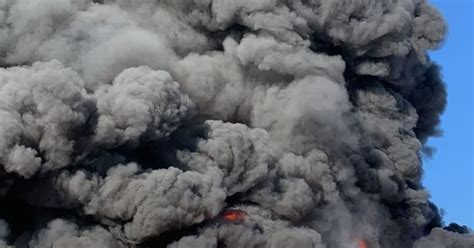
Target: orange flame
361	244
234	215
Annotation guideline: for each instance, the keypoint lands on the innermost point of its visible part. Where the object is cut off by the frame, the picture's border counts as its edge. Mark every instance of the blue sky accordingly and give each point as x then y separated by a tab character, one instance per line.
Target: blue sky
449	174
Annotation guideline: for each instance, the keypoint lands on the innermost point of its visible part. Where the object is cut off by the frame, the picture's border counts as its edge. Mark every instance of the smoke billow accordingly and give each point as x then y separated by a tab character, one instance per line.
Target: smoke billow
142	123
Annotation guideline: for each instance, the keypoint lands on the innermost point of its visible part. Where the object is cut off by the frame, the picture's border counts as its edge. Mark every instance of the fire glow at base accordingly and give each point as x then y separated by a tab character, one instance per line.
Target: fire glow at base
234	215
361	244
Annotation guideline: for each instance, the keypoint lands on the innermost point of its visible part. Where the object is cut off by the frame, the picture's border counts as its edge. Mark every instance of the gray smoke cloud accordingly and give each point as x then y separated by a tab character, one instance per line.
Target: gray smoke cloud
61	233
219	123
4	232
442	238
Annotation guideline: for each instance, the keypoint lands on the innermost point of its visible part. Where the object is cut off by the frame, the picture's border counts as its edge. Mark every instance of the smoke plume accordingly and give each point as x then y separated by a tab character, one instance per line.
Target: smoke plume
146	123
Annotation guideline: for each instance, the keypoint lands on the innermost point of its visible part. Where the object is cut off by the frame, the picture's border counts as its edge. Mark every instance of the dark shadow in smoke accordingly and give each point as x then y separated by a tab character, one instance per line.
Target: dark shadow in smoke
454	227
321	43
149	154
5	65
436	221
400	211
24	218
235	31
238	199
5	182
162	153
429	99
18	215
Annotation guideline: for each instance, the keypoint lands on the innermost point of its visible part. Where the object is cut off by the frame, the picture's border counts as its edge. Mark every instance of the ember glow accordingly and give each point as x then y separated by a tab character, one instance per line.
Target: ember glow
361	244
234	215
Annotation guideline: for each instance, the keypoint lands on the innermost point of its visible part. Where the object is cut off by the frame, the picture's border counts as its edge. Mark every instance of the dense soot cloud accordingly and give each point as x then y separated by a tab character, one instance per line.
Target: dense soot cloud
219	123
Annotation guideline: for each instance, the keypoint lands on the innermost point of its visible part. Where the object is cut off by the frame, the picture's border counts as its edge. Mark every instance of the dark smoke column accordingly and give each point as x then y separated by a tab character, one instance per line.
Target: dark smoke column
219	123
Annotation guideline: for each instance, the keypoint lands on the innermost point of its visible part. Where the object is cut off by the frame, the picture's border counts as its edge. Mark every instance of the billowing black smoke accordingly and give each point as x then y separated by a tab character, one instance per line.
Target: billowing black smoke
219	123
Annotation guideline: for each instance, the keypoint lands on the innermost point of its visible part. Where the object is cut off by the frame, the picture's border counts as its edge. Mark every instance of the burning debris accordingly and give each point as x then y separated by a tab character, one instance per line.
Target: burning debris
218	123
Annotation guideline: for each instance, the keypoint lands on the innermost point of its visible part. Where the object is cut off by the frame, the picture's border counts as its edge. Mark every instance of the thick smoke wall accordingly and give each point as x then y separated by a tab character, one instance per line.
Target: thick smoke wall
142	123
